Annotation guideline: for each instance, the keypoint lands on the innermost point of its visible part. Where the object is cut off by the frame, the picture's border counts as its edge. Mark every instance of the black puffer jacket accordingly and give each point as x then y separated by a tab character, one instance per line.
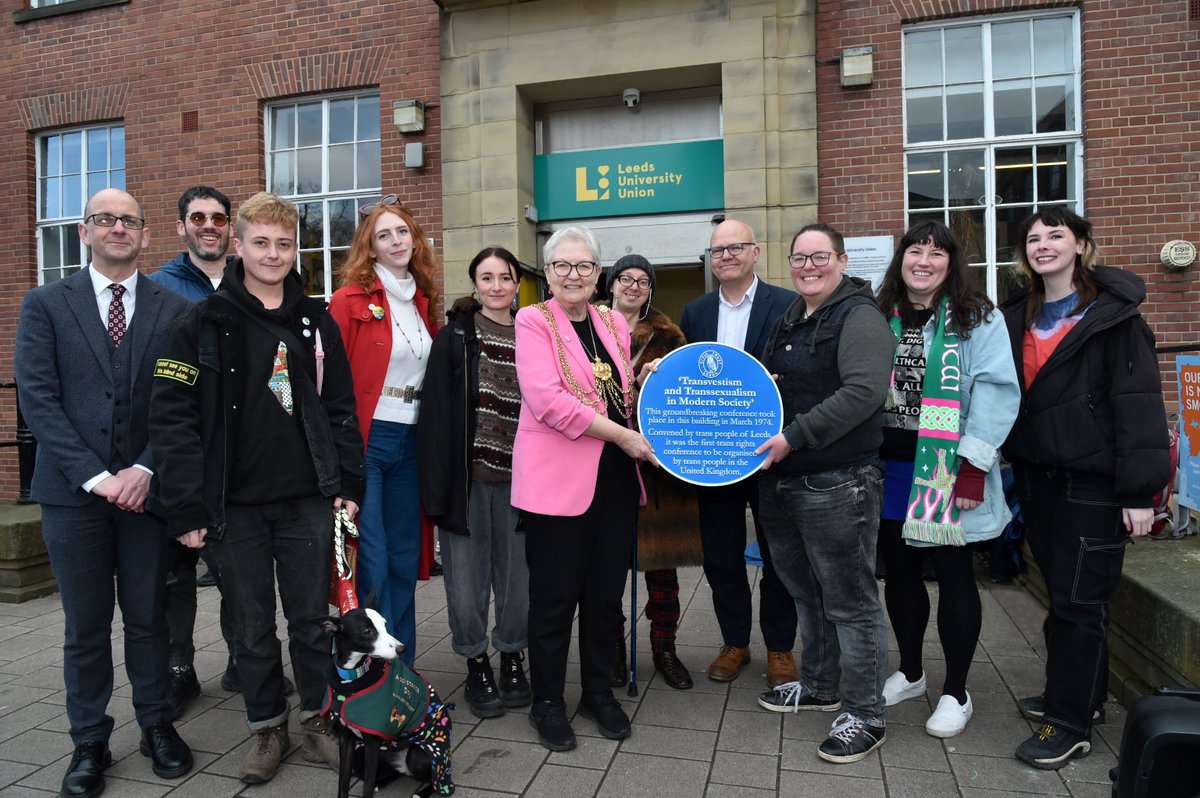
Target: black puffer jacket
1096	405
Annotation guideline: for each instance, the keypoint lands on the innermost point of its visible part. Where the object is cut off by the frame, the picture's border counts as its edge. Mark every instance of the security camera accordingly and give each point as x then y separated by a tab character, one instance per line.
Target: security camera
632	98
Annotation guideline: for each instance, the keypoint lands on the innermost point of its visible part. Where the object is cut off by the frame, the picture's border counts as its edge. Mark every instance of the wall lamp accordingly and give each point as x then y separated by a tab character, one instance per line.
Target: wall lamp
857	66
409	115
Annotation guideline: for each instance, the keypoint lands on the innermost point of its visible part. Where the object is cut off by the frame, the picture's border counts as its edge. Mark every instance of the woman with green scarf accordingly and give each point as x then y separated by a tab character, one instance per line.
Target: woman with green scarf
952	401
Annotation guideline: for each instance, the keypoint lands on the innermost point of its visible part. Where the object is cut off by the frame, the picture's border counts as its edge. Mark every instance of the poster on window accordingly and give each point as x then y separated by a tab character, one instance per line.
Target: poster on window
1187	369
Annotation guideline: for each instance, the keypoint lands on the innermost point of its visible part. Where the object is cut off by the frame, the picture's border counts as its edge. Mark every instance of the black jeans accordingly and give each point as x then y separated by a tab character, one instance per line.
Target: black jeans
1078	541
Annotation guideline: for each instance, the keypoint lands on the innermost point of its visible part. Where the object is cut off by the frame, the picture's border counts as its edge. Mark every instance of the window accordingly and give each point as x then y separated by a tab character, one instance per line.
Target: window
44	3
72	165
992	130
324	155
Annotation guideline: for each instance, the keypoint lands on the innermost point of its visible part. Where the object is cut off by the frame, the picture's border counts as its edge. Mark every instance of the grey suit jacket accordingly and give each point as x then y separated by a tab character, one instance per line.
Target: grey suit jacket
699	319
68	385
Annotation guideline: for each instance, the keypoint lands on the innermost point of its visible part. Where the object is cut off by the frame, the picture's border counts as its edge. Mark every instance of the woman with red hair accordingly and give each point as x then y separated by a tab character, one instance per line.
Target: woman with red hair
386	311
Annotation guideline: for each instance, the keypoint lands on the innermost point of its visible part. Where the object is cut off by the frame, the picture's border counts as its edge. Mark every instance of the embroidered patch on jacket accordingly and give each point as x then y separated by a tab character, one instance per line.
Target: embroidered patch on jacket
175	370
280	383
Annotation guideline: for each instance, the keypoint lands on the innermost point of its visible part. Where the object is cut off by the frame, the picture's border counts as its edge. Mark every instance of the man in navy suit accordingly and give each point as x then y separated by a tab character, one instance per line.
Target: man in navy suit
742	312
85	352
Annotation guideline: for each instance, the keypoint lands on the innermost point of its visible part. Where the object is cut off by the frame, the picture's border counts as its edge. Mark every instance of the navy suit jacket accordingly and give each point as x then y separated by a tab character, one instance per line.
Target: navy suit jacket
68	386
699	321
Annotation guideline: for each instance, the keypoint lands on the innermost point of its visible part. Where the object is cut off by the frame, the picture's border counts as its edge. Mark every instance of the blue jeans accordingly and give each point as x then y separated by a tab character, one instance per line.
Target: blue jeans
292	541
88	545
822	529
491	560
389	527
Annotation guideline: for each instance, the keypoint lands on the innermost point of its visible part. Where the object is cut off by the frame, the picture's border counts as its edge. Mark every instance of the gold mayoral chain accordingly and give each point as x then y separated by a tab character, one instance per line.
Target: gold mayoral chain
606	391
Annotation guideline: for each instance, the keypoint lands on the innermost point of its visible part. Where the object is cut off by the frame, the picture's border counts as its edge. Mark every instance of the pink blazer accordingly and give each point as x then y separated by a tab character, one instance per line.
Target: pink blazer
554	464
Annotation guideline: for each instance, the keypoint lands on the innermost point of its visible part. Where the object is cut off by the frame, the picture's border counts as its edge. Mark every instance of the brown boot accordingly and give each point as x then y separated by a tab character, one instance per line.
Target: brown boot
781	668
728	663
267	748
320	742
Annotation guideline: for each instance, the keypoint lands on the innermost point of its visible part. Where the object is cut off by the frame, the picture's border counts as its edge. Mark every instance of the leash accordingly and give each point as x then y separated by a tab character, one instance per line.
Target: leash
343	526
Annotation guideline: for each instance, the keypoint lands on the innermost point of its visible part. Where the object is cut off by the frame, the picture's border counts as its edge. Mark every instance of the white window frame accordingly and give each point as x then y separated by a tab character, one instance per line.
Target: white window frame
991	143
68	222
358	195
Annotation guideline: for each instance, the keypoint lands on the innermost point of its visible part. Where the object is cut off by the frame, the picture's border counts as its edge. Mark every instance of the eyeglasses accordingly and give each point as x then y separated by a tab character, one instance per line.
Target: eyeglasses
818	259
732	249
628	280
197	218
584	268
108	220
390	199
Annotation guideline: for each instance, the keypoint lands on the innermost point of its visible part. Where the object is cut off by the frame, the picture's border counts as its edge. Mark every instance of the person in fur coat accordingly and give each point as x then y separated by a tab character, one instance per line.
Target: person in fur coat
668	525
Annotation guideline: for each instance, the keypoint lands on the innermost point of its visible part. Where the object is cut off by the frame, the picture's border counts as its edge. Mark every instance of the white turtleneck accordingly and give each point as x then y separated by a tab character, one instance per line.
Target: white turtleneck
410	347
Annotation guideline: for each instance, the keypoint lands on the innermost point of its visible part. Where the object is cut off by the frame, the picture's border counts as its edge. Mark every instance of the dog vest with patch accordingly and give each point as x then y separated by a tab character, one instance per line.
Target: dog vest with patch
388	700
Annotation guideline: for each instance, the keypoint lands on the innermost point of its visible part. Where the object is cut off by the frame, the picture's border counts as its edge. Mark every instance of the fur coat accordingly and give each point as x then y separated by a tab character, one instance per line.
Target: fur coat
669	524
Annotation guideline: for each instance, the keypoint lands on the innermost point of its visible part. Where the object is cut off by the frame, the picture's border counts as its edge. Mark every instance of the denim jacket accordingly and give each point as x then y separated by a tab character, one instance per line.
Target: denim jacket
991	398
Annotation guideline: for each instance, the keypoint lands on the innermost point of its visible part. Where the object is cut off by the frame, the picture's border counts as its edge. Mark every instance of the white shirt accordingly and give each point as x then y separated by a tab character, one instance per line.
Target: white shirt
410	348
734	320
100	285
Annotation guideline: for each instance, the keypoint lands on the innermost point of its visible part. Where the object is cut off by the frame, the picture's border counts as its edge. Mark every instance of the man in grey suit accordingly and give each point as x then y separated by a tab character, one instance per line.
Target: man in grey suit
85	355
742	312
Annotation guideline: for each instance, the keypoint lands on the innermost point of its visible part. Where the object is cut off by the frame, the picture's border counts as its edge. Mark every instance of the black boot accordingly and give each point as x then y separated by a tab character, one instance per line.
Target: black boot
482	695
514	689
619	675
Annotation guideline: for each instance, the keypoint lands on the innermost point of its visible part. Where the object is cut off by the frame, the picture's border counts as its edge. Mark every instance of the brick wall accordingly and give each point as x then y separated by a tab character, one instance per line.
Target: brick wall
149	64
1141	101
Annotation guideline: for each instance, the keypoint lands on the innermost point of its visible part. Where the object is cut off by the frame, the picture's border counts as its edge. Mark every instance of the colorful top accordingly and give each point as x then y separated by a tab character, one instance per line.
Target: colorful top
1047	333
499	402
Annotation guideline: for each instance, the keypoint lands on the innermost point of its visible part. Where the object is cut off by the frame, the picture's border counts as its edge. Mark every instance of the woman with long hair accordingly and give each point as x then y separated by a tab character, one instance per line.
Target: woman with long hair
386	311
1089	451
952	400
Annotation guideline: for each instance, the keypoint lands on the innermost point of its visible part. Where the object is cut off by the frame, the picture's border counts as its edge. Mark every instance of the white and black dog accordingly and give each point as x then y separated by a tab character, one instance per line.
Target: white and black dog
383	710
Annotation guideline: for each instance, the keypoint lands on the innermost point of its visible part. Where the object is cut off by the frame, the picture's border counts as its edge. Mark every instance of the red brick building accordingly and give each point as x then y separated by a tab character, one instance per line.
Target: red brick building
158	96
977	111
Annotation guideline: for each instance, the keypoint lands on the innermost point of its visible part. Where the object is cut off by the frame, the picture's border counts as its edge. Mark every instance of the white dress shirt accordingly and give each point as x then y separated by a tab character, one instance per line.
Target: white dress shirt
734	320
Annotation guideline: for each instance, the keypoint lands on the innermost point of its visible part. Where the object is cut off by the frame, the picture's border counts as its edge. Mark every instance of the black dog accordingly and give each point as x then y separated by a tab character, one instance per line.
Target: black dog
383	710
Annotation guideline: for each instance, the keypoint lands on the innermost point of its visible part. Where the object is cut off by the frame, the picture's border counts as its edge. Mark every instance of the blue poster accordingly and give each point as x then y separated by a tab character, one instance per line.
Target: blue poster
706	410
1187	367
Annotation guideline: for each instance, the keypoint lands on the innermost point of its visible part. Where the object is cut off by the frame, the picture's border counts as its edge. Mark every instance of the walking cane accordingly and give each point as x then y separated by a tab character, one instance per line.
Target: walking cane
633	613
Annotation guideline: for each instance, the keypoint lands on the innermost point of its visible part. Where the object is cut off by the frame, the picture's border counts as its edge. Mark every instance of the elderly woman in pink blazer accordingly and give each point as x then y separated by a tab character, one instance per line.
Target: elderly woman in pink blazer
576	483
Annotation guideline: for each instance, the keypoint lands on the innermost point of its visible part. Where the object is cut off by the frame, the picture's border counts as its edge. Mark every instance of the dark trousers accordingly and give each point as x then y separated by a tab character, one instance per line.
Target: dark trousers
723	536
580	561
88	545
291	541
181	606
1078	541
662	609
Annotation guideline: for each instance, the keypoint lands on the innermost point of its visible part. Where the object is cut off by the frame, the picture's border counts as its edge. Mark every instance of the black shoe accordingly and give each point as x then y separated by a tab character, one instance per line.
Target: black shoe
605	709
85	774
436	569
850	740
1034	709
672	670
169	755
184	687
795	697
514	689
206	579
619	675
553	729
482	695
1051	747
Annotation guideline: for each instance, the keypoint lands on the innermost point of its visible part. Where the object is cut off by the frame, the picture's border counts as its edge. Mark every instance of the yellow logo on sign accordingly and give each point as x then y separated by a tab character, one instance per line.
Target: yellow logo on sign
585	194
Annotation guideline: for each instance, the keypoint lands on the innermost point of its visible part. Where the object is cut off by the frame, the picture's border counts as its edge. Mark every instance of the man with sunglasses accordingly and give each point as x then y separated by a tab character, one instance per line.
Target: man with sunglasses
86	352
742	312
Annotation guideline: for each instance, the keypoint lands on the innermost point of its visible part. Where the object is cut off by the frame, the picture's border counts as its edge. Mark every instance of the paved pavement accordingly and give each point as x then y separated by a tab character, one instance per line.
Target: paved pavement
711	741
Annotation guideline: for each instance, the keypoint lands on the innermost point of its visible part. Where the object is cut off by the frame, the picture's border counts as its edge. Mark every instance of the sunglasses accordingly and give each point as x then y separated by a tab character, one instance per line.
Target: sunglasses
218	219
390	199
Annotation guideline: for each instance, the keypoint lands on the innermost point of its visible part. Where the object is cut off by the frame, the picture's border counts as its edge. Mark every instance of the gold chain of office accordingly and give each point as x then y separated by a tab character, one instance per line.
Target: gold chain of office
606	391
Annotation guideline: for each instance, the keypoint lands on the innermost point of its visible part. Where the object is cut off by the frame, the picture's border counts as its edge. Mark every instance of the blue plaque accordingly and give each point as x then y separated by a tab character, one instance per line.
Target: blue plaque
706	409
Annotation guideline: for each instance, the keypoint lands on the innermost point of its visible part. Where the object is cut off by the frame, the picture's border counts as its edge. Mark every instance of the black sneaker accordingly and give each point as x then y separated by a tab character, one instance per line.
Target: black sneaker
553	729
482	695
850	740
514	689
606	710
183	688
795	697
1034	709
1052	747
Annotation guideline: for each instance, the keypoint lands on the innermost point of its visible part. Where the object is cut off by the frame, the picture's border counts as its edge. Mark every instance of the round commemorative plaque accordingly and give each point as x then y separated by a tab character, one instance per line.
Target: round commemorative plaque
706	409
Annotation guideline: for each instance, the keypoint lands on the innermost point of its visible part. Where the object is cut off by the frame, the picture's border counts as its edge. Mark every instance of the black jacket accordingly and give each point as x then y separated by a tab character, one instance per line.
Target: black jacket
195	396
1096	405
446	426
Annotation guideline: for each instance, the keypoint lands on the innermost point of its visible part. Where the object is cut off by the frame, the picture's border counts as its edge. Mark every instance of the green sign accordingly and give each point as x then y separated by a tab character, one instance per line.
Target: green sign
630	181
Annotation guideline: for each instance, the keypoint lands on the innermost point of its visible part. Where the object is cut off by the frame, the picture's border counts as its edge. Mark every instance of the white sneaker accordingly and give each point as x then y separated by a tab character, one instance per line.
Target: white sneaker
950	717
898	688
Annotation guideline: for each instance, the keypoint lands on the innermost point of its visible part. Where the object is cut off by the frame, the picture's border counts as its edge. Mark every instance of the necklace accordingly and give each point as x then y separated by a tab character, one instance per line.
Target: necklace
407	340
607	391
